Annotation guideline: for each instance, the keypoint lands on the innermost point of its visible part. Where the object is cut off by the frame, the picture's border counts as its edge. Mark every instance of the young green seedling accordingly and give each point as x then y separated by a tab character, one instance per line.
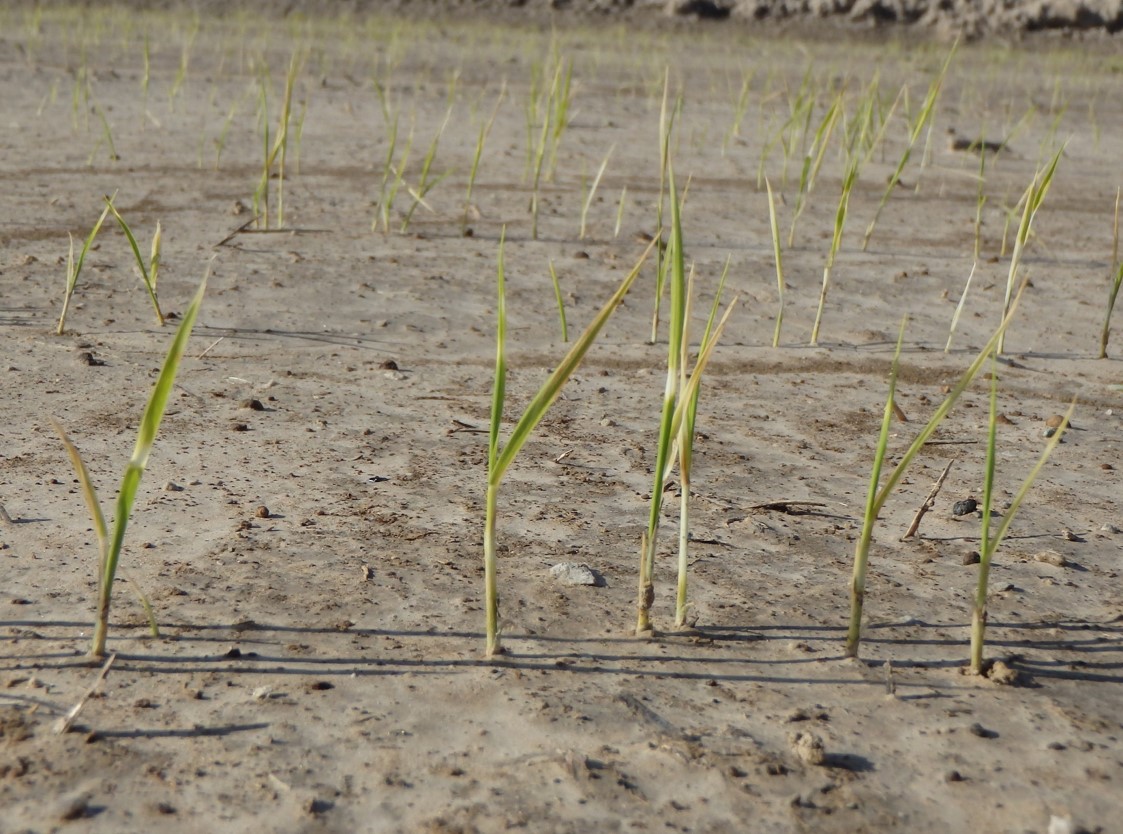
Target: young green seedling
679	394
914	134
148	273
877	497
561	303
685	435
666	129
836	241
959	307
485	129
813	159
499	460
1034	196
620	212
593	193
424	184
74	268
779	264
1113	292
988	544
110	546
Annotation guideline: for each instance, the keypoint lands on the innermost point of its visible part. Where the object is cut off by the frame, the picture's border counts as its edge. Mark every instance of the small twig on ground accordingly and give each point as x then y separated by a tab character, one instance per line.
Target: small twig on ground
929	502
237	231
210	346
789	507
64	724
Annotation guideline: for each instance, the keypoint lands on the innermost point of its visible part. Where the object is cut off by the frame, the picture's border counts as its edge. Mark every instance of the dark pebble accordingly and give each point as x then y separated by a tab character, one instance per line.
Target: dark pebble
981	731
971	557
953	776
964	507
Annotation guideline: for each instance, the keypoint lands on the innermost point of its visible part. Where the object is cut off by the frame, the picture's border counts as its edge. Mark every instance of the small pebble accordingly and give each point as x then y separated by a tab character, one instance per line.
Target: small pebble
1003	675
1051	557
262	512
1056	421
172	486
808	748
73	807
964	507
972	557
572	573
979	730
253	405
953	776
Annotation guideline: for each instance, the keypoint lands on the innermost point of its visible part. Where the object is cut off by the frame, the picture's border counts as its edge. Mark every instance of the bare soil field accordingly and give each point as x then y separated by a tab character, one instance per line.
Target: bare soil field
309	528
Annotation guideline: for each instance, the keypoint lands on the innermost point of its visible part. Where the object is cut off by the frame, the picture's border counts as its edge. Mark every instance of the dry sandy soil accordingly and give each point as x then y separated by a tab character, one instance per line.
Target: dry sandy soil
309	528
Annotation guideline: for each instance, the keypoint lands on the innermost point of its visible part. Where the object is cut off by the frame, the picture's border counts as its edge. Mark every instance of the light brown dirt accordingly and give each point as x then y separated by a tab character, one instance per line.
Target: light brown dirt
321	663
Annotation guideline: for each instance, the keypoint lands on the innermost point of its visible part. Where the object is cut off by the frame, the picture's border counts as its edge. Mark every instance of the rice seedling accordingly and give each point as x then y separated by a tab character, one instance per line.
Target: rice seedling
685	433
848	181
275	153
593	193
678	395
110	545
959	307
739	110
877	497
1032	199
220	140
918	126
485	129
106	137
184	63
561	98
989	544
74	268
553	112
148	273
560	301
980	200
813	159
500	460
391	184
1113	294
146	73
1113	291
424	184
666	129
620	212
779	264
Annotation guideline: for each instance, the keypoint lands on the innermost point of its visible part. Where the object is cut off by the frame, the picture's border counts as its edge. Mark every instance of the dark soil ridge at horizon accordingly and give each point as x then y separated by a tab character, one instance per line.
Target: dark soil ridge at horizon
971	19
